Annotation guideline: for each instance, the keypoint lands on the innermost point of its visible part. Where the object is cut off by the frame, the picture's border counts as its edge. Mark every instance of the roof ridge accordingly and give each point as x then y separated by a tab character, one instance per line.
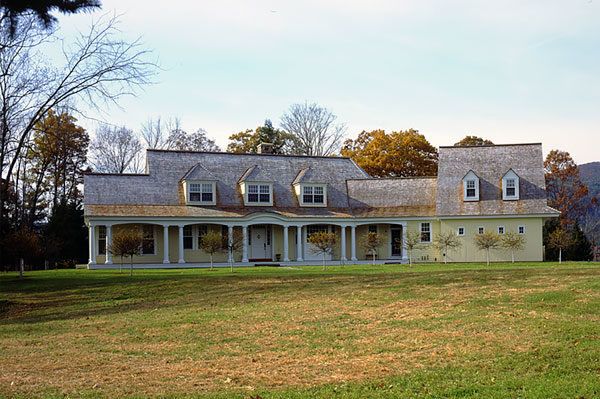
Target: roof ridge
488	145
248	153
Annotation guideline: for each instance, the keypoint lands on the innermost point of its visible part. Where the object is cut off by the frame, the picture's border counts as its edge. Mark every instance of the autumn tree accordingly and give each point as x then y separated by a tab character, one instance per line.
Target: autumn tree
564	188
314	128
513	242
249	140
179	139
473	141
403	153
445	242
116	150
13	10
322	243
211	243
486	242
560	239
370	242
126	242
57	160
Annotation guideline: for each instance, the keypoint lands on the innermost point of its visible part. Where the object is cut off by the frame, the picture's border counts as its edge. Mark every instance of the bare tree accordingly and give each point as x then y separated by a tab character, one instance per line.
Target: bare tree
446	241
116	150
412	242
126	243
98	69
370	242
487	241
154	134
513	242
168	135
315	128
232	244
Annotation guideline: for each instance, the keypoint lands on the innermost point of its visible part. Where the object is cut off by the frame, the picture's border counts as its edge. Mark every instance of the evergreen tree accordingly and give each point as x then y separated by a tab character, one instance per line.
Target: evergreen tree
67	228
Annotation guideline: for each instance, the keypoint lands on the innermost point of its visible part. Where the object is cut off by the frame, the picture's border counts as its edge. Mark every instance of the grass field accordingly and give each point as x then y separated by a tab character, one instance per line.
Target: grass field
522	331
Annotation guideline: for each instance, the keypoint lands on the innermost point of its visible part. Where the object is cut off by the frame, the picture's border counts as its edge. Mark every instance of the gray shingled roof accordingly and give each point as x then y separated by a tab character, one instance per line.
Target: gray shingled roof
490	163
382	193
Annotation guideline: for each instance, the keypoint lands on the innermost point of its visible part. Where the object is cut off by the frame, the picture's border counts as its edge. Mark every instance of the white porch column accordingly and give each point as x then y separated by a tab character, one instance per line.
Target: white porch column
92	248
181	259
353	242
286	255
343	242
404	231
229	241
245	245
299	243
166	244
108	260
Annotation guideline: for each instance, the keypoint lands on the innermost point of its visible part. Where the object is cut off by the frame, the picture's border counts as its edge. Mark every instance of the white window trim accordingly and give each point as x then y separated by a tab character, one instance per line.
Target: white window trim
468	177
421	232
247	189
98	241
193	228
308	204
510	175
479	228
188	192
519	228
498	230
153	239
458	231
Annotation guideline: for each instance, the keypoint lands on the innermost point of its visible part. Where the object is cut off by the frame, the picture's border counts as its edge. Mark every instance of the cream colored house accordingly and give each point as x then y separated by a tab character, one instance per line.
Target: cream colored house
277	201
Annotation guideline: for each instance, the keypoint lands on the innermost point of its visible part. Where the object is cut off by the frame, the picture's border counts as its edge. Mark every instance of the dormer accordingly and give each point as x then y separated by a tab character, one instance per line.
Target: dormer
309	192
510	186
470	186
199	186
256	188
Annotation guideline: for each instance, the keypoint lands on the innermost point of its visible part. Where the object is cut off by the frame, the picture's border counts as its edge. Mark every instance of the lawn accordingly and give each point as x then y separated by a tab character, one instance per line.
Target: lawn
523	331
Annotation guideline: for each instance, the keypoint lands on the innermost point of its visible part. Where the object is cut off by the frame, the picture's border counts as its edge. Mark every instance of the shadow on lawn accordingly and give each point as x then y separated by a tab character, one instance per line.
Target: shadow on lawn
73	296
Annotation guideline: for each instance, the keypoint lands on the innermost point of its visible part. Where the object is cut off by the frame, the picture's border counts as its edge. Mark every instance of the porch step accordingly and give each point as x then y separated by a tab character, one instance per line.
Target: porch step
267	264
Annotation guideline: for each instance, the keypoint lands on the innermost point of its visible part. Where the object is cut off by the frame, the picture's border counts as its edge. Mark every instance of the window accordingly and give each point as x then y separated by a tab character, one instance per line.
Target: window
101	240
510	186
202	229
259	193
480	230
313	195
147	239
461	231
316	228
188	237
471	189
521	229
500	230
426	232
201	192
372	228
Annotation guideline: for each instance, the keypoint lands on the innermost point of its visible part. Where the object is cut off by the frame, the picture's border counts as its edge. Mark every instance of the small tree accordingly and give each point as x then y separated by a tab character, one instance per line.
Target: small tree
211	243
445	242
233	244
486	241
560	239
513	242
21	244
412	242
323	243
126	242
370	242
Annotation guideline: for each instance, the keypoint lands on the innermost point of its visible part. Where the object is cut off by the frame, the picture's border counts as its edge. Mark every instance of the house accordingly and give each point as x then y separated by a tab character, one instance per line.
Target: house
277	201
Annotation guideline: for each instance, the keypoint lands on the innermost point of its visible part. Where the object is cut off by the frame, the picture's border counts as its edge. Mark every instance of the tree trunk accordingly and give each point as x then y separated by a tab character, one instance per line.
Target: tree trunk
45	264
121	266
231	261
211	261
131	267
512	253
446	255
324	267
560	256
410	258
487	253
374	254
21	267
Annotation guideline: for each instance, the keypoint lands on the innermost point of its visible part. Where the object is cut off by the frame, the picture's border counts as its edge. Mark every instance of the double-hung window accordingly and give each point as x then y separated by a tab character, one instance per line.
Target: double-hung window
510	188
313	195
202	230
259	193
147	239
426	232
471	192
201	192
101	240
188	237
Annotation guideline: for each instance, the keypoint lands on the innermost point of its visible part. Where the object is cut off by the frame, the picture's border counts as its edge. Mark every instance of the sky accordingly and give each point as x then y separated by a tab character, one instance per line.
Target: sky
508	71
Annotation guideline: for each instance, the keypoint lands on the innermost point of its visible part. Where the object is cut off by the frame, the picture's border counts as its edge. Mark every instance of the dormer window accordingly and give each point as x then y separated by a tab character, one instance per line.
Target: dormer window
471	187
510	186
312	195
200	192
259	194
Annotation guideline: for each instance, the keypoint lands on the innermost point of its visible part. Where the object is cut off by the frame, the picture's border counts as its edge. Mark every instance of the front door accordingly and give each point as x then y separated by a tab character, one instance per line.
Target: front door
396	241
260	242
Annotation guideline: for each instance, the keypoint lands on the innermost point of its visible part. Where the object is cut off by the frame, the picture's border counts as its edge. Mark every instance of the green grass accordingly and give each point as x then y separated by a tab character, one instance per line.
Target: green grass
526	330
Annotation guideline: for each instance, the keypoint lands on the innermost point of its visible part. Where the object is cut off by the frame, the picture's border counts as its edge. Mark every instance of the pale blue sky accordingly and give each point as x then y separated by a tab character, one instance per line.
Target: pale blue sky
509	71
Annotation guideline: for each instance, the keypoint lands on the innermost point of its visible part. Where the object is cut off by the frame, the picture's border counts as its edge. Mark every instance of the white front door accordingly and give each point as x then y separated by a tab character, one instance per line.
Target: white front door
260	242
309	249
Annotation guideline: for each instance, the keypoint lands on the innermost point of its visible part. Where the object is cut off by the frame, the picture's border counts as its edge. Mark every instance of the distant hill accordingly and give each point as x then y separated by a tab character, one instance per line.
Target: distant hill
590	176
